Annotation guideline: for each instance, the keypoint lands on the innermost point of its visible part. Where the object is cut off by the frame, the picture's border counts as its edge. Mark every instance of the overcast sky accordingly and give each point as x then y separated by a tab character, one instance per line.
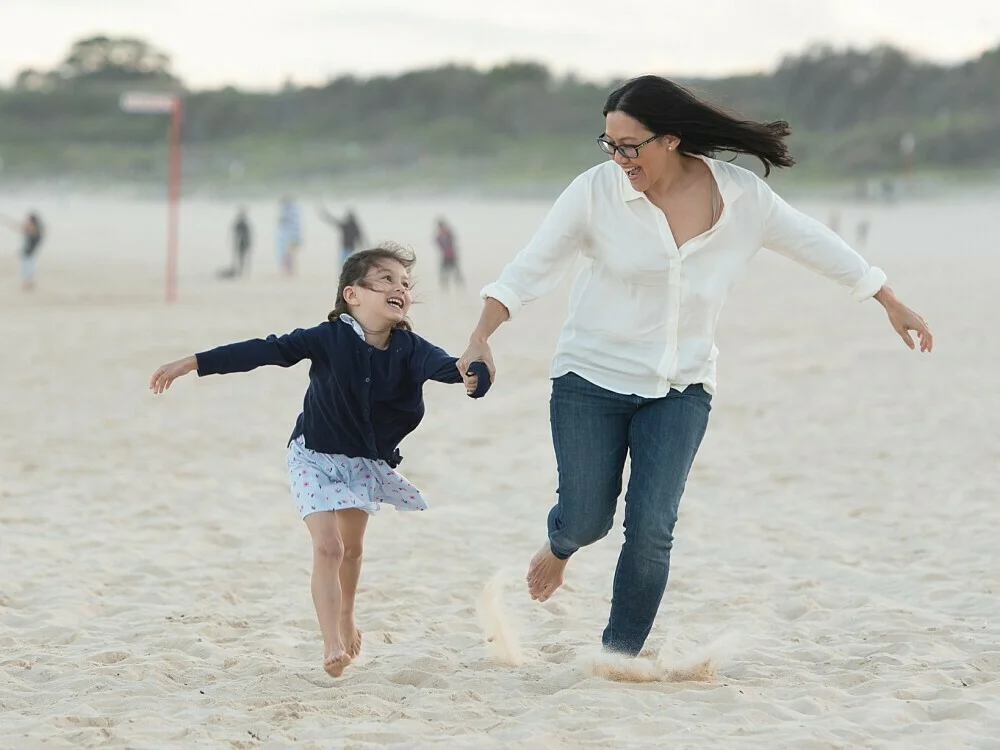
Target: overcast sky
258	43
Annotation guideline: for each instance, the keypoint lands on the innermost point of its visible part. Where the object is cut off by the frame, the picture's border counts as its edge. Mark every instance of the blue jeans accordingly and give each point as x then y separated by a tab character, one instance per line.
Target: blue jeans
593	429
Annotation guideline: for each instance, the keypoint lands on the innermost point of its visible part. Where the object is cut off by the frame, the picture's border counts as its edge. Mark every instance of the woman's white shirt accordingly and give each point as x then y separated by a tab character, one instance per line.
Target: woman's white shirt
642	311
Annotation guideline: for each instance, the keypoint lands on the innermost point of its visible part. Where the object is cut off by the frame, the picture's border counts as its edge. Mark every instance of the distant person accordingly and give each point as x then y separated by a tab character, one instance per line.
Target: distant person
445	239
864	227
365	395
241	247
351	235
289	234
664	230
242	241
32	233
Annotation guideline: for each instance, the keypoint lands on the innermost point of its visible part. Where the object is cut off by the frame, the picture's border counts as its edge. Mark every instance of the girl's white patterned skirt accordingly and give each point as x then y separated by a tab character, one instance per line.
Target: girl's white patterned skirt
323	481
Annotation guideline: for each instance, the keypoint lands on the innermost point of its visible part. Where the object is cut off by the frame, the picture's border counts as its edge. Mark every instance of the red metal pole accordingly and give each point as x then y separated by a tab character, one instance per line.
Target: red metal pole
173	197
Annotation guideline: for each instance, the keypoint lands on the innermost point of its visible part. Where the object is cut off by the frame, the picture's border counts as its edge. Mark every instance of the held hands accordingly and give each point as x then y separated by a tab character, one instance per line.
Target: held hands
477	380
167	374
904	320
477	351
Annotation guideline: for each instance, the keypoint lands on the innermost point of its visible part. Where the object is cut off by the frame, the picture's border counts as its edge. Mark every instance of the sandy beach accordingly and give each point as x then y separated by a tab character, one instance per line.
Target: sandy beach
836	558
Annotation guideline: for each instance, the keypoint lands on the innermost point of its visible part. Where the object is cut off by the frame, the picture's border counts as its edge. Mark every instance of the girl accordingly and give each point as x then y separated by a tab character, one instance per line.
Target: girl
364	397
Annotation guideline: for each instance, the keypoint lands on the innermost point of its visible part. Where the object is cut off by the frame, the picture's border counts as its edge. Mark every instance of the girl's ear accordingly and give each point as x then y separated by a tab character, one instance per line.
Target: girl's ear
350	295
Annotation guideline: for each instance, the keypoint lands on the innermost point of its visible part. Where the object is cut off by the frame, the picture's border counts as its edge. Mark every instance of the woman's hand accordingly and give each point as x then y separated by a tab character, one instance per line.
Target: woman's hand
167	374
477	351
904	320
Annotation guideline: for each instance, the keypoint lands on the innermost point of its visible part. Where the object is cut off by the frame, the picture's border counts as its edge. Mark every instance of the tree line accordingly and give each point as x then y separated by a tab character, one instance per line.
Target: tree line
848	109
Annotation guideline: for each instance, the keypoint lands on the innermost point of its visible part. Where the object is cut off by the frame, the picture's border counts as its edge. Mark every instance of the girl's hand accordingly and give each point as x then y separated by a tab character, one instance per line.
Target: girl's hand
478	351
167	374
471	383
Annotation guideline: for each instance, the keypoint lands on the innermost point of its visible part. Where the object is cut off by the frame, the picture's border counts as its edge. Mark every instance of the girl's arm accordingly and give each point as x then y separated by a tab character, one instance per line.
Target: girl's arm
439	366
283	351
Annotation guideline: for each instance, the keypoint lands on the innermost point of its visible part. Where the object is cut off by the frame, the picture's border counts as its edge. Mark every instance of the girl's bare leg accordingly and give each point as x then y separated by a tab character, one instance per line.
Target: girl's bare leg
352	524
328	556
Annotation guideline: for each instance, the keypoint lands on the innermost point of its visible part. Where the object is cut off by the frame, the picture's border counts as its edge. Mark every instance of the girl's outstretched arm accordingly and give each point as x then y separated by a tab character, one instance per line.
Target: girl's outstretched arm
243	356
167	374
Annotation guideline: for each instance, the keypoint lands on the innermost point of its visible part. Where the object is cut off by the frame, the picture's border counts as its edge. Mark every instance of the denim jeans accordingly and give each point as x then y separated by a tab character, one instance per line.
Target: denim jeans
593	430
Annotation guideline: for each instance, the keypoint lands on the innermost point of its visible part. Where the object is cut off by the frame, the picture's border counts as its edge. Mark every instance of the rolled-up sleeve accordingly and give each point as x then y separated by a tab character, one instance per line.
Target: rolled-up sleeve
801	238
550	253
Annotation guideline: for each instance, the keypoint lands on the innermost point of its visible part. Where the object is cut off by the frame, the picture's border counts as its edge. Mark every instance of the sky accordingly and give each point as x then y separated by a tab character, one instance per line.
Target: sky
259	44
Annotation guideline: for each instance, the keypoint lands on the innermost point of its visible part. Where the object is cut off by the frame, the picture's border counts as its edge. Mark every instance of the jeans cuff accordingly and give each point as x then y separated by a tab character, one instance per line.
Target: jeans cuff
558	554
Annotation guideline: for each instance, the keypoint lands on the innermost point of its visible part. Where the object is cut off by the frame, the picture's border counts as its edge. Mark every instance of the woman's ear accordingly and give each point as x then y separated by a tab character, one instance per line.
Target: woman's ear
671	142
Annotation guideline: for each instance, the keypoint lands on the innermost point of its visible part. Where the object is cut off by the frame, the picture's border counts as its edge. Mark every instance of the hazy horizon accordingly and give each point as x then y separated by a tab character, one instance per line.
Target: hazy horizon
259	46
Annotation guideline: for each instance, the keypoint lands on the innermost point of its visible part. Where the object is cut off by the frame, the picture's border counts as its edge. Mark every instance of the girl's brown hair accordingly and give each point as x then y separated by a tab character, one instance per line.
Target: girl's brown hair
355	272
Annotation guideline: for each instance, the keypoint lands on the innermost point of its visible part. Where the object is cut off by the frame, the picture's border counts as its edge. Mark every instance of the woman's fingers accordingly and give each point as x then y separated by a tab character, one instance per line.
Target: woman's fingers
905	335
926	337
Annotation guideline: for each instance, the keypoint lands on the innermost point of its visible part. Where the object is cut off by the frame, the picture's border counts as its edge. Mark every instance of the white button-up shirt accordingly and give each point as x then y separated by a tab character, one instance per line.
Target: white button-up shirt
642	311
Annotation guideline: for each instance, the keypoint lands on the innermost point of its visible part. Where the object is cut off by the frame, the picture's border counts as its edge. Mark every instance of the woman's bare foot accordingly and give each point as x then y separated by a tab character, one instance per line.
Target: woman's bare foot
336	661
545	574
351	636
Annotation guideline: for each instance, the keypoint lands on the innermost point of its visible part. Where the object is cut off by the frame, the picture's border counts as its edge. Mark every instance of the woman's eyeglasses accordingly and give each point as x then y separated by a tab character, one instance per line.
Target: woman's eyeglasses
629	152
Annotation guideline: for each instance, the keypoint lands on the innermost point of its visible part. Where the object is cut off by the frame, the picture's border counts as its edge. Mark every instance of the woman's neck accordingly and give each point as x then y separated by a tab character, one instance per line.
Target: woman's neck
674	179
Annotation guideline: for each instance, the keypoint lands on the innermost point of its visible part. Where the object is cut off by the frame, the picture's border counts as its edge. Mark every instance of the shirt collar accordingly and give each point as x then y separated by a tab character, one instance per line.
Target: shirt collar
344	317
728	188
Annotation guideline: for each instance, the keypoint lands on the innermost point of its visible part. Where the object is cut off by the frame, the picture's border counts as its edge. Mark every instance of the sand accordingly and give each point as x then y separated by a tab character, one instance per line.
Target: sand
834	581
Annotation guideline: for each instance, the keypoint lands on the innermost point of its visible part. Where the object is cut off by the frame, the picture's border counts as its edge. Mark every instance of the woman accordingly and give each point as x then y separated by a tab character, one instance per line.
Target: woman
664	231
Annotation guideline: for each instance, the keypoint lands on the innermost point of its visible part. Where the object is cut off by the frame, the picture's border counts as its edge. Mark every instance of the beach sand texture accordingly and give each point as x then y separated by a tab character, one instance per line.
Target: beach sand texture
834	581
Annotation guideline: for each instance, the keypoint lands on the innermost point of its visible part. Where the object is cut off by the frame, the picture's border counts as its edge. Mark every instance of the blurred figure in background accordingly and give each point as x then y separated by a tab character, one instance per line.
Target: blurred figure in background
864	226
289	234
241	246
31	231
445	239
242	241
351	235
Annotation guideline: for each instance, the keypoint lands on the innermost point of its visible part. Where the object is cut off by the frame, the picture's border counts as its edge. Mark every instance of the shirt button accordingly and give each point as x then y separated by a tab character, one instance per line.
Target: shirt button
368	380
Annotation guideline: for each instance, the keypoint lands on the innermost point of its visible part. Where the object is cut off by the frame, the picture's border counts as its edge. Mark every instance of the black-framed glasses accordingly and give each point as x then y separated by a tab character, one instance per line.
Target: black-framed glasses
629	151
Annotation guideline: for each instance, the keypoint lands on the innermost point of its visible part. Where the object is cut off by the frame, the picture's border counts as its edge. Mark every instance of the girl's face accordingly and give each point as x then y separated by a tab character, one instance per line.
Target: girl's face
384	295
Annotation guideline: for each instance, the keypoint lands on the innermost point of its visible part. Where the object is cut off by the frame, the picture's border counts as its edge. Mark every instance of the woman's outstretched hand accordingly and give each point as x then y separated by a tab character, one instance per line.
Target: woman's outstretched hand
167	374
904	320
477	351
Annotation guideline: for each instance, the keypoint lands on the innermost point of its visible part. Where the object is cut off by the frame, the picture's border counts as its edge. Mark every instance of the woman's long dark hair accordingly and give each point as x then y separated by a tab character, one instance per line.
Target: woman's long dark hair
356	269
665	108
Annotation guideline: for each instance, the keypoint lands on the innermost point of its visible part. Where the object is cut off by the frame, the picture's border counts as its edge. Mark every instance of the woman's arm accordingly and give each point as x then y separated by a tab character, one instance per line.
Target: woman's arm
805	240
801	238
535	271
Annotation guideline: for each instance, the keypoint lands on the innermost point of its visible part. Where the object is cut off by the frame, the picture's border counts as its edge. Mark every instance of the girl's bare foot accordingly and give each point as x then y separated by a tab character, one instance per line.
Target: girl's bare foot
545	574
351	636
336	661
